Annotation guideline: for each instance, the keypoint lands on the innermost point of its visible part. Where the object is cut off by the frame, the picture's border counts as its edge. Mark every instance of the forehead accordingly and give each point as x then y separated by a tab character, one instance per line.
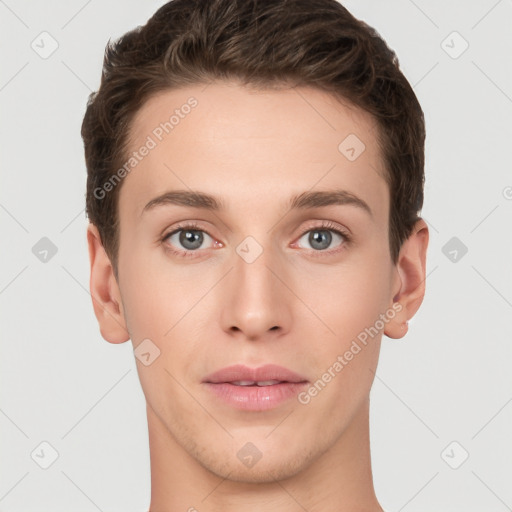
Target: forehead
252	147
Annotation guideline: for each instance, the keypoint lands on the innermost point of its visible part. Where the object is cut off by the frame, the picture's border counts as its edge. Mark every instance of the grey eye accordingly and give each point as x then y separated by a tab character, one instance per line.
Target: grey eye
320	239
189	239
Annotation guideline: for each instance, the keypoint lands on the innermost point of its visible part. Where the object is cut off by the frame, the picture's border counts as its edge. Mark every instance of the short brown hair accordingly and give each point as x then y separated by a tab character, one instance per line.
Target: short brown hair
267	43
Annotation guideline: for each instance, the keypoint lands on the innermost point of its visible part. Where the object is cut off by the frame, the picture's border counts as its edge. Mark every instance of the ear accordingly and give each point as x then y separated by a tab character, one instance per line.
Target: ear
106	297
409	286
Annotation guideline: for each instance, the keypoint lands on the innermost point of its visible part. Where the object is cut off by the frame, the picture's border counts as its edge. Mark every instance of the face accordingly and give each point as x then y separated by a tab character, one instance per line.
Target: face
286	262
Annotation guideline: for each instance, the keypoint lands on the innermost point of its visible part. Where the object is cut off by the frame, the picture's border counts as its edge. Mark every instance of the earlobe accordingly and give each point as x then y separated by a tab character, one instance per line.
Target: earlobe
410	280
106	297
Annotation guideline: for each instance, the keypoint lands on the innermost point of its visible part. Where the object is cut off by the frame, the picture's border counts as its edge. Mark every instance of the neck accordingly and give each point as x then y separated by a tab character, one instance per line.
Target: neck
339	479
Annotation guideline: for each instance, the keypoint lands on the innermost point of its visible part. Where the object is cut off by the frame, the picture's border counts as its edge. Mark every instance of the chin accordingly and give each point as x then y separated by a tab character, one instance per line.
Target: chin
265	474
278	465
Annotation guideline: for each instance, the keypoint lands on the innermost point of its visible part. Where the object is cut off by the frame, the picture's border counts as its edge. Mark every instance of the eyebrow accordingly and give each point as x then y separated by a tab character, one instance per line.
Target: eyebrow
304	201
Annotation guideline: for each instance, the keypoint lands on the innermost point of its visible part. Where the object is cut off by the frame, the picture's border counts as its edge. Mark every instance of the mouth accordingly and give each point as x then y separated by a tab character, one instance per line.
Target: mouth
255	389
267	375
252	383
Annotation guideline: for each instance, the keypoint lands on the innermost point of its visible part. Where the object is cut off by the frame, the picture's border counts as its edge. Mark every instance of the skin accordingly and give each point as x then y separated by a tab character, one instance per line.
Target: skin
295	305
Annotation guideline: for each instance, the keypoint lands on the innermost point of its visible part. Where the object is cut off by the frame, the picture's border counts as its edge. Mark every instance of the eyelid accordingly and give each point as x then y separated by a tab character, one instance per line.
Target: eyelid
326	225
187	226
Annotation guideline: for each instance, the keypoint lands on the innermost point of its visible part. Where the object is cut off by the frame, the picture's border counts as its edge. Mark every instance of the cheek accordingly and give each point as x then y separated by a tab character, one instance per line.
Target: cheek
146	314
345	356
347	342
155	293
348	298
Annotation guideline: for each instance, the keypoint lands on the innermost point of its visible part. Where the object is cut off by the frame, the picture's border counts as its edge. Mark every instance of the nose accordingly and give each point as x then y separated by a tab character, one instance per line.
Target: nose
256	304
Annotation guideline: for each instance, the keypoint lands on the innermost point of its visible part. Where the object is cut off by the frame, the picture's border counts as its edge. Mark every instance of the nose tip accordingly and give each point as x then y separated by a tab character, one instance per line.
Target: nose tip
255	305
253	327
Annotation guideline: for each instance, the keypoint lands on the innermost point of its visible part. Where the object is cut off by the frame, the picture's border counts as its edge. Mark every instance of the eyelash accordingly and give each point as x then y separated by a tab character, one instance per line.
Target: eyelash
324	226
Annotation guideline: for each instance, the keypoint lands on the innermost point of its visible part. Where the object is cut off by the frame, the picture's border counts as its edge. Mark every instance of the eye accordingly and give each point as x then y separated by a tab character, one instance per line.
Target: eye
187	238
321	238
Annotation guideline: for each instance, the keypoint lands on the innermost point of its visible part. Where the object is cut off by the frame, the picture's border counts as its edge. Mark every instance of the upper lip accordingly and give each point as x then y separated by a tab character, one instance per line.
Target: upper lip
240	372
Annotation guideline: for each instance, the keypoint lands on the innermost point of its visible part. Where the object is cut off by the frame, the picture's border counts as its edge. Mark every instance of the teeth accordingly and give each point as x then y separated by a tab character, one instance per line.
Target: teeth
268	382
252	382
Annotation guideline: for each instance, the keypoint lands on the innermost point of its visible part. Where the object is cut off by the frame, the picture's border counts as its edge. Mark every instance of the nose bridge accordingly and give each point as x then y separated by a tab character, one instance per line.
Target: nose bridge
252	264
257	300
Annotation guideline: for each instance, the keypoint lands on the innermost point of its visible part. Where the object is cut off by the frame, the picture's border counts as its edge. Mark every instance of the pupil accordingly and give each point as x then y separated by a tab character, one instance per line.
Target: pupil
320	237
195	238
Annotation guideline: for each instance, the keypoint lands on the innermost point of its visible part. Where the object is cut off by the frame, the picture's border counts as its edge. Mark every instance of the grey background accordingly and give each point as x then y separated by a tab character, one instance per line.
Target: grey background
448	380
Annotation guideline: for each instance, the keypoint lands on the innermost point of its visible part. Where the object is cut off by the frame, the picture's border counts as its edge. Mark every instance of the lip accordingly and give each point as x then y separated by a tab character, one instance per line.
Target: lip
255	398
241	372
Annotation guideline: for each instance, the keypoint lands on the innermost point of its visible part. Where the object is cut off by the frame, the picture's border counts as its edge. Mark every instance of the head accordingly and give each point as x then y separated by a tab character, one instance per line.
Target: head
262	112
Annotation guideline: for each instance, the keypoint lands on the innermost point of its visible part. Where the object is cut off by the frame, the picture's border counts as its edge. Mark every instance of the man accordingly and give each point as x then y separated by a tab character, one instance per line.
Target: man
255	176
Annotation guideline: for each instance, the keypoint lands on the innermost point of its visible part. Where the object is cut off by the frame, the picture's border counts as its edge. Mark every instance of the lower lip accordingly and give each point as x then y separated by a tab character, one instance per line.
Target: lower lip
255	398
